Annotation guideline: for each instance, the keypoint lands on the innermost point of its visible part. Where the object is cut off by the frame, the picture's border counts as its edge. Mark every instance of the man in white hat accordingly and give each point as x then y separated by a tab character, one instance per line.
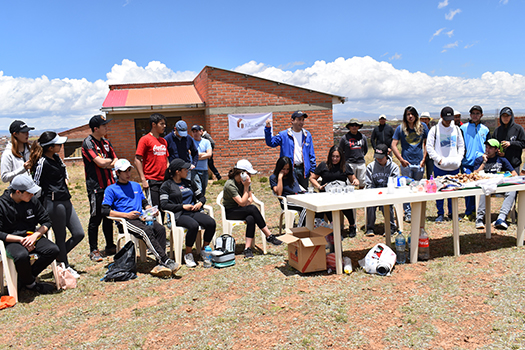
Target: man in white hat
125	199
382	134
20	213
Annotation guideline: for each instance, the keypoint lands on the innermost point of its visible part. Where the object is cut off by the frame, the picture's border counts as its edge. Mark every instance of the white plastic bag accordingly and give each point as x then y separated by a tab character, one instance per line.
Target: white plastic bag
379	260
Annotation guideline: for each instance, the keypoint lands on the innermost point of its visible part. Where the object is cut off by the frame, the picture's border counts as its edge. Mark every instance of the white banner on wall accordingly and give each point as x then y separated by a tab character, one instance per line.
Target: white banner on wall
247	126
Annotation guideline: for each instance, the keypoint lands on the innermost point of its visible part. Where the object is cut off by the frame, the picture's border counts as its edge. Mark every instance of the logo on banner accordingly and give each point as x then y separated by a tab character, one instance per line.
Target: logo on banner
247	126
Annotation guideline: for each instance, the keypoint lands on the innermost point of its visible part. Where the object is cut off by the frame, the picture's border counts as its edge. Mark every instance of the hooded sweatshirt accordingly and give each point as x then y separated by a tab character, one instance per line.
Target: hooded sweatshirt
513	133
376	175
446	145
11	165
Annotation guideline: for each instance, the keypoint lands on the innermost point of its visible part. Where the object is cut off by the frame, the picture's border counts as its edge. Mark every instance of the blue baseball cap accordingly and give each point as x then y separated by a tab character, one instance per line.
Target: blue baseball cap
182	128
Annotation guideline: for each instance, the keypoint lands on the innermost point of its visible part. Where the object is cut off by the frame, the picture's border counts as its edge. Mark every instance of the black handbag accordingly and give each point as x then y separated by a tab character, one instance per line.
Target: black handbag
124	266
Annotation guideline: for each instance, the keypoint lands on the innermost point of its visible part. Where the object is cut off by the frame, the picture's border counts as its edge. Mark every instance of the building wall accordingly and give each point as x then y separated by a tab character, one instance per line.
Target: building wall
78	133
230	92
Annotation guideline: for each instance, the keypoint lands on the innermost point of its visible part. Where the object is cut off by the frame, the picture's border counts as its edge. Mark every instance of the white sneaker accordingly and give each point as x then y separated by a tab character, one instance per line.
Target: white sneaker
73	272
188	260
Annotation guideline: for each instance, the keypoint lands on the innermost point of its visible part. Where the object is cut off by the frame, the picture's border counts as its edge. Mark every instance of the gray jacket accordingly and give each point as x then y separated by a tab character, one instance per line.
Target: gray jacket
11	165
376	176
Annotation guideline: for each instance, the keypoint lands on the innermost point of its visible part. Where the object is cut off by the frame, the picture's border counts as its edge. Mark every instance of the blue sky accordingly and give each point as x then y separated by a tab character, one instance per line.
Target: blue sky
57	58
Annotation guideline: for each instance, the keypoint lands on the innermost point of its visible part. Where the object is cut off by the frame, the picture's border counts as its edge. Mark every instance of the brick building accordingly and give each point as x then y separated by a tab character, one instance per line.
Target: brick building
207	101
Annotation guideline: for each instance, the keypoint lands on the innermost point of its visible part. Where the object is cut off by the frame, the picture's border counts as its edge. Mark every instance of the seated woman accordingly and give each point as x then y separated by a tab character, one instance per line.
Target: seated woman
237	201
284	183
185	200
335	169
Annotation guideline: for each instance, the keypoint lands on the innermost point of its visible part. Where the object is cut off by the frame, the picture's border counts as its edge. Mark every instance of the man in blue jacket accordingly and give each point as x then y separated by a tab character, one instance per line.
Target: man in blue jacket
475	135
296	144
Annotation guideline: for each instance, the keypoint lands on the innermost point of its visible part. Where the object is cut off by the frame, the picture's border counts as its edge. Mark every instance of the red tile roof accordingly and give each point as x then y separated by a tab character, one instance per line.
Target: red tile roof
152	96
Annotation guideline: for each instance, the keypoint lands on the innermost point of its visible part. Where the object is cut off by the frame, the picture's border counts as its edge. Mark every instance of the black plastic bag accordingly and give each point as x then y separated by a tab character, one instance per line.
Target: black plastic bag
124	267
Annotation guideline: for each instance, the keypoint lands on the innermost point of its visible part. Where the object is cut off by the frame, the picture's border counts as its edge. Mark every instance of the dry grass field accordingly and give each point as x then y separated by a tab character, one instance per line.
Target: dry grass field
475	301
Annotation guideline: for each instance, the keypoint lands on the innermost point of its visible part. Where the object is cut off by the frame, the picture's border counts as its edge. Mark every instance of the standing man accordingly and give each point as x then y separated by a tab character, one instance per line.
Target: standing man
446	147
475	135
211	164
99	158
180	145
382	134
296	143
205	152
151	158
20	213
457	118
355	147
429	163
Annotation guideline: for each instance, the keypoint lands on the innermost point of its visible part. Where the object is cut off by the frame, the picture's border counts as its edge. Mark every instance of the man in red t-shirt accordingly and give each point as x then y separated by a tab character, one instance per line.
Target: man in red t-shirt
151	158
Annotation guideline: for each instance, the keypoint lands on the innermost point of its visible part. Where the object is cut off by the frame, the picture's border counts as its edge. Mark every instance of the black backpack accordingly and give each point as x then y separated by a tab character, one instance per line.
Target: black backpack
224	254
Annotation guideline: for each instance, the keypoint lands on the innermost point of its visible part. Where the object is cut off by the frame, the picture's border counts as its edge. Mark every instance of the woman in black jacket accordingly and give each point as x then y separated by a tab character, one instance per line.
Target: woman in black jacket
185	200
50	173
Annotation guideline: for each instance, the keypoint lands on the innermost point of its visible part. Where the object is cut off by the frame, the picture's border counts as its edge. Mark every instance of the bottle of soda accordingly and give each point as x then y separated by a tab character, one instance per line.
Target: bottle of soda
424	251
400	248
207	257
347	265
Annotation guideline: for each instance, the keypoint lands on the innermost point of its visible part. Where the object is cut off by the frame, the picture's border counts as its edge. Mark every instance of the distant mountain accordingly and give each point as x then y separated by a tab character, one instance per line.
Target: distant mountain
35	132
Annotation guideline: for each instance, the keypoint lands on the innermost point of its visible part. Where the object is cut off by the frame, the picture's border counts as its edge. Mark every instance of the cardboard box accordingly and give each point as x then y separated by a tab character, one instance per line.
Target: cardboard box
306	249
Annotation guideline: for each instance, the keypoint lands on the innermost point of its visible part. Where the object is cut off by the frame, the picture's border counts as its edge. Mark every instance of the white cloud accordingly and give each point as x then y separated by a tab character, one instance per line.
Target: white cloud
468	46
451	45
450	33
379	87
443	4
396	56
42	102
504	2
370	85
438	32
452	13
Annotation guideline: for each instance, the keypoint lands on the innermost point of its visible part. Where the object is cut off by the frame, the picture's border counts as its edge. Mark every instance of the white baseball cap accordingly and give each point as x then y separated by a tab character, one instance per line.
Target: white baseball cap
122	165
24	183
244	164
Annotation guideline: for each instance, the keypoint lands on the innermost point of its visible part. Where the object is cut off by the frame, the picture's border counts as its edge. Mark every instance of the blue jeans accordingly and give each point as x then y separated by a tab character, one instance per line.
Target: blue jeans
200	177
414	172
440	202
470	202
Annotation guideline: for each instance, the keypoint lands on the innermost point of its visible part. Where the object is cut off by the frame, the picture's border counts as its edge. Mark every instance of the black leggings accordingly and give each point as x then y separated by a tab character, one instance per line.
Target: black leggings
192	220
250	214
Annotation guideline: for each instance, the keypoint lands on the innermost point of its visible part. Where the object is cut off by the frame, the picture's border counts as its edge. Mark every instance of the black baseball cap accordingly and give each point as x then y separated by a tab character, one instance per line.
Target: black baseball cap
178	164
19	126
381	151
476	108
98	120
299	114
447	113
196	127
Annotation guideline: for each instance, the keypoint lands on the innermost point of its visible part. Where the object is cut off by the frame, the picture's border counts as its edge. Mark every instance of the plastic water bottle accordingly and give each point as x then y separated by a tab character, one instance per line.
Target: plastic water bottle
431	186
347	265
207	257
408	249
424	251
400	248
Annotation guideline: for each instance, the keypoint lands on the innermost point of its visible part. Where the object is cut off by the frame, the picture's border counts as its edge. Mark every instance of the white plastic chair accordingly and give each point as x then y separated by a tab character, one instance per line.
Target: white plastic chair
126	236
177	234
228	225
8	270
287	214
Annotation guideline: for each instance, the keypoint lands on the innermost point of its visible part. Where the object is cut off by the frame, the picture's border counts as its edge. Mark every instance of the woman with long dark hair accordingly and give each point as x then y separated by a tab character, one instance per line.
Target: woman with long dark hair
237	201
284	183
50	173
15	159
185	199
334	169
412	134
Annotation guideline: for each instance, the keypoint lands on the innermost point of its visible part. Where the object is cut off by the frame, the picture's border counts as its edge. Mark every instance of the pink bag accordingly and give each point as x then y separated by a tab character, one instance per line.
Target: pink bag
65	279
